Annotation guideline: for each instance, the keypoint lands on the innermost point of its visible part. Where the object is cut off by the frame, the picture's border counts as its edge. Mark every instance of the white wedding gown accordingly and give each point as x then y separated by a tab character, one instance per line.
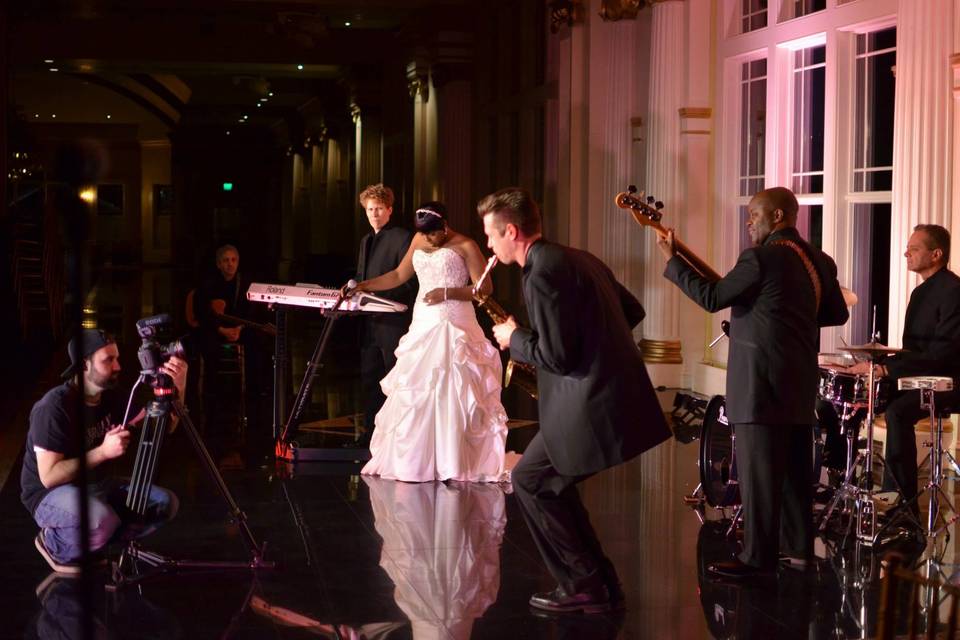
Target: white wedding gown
443	419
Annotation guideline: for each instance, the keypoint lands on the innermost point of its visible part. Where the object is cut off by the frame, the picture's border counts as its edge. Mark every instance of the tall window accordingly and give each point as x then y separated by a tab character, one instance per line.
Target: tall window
809	77
872	180
754	15
753	138
873	118
796	8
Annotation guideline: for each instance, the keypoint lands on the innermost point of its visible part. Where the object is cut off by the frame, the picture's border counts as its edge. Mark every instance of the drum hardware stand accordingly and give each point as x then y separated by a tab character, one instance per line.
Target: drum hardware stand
929	387
126	569
865	518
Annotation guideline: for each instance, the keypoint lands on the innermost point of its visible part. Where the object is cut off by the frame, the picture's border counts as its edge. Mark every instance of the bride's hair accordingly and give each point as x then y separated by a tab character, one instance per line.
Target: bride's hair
431	216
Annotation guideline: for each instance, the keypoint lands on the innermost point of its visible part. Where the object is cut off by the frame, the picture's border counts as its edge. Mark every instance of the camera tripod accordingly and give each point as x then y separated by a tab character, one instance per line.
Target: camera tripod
126	570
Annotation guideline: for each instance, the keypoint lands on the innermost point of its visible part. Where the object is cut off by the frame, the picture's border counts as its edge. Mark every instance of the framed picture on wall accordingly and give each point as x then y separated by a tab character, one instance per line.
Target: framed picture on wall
109	199
163	199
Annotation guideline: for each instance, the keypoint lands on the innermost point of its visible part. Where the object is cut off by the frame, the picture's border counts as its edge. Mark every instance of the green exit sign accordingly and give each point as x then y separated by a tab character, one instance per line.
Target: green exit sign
228	186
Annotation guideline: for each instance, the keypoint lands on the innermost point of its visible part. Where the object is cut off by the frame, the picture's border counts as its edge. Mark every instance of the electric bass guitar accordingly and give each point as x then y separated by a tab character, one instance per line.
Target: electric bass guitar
646	212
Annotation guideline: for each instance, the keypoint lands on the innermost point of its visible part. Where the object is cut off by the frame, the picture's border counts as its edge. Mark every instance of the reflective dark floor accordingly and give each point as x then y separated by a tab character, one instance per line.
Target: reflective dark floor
367	558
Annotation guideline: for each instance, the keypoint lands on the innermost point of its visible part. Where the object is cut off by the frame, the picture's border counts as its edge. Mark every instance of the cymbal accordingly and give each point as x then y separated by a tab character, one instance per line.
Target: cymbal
870	349
849	297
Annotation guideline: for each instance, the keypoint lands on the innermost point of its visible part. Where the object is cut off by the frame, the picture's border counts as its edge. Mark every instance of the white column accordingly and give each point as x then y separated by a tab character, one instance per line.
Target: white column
611	231
664	162
368	157
923	138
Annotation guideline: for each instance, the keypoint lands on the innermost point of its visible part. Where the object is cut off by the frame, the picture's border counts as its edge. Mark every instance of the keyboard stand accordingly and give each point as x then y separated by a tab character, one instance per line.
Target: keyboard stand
286	447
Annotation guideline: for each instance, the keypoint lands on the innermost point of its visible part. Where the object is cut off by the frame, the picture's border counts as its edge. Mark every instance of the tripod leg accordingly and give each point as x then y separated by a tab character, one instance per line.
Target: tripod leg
255	549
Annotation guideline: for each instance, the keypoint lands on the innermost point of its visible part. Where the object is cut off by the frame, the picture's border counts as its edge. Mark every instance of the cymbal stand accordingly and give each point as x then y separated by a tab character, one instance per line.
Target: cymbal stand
847	491
866	522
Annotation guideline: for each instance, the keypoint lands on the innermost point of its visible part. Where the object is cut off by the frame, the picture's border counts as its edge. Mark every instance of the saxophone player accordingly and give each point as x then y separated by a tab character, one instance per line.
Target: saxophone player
597	405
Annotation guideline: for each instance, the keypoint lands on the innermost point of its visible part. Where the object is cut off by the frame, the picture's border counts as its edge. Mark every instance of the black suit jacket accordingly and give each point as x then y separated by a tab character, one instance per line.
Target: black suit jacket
597	406
772	372
380	253
931	330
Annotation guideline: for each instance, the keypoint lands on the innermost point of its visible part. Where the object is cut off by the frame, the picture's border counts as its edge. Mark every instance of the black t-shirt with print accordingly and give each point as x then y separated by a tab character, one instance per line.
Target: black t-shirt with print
52	428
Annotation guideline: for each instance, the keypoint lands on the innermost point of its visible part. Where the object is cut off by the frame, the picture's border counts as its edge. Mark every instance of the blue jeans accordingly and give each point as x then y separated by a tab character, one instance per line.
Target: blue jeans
110	521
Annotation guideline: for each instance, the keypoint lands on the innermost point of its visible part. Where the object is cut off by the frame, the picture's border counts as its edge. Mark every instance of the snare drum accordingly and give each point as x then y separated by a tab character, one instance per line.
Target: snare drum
842	388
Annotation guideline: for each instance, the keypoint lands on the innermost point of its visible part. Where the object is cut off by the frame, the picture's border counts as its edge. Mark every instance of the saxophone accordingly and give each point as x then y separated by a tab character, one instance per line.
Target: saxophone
522	374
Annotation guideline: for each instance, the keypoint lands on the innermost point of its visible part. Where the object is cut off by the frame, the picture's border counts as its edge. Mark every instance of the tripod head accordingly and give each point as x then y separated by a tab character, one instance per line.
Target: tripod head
153	355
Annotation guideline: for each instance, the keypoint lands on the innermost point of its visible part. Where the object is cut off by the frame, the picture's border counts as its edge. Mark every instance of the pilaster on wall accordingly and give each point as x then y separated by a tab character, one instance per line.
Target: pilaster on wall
368	159
955	76
419	83
924	130
441	85
665	156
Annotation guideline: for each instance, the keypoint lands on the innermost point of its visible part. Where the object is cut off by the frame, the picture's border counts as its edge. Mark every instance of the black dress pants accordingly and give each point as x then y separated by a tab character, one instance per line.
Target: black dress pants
375	363
559	523
775	472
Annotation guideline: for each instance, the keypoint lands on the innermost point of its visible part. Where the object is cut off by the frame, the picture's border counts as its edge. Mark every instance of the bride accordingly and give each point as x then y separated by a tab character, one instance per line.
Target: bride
442	419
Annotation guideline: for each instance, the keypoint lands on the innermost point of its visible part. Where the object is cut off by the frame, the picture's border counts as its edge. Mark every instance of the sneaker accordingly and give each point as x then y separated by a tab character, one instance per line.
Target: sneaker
70	568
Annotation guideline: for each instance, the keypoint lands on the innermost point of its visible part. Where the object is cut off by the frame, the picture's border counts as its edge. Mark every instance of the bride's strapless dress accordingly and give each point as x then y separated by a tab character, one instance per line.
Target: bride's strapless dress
443	419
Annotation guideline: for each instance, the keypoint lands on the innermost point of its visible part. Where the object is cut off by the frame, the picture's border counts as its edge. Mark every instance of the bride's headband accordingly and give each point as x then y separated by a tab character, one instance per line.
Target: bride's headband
422	212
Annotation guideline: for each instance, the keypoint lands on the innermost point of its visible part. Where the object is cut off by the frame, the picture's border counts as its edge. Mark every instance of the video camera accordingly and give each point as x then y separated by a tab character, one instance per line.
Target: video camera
152	354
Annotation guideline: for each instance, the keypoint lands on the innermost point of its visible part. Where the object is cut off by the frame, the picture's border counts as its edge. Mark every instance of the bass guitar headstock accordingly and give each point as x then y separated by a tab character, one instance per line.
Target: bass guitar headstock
646	209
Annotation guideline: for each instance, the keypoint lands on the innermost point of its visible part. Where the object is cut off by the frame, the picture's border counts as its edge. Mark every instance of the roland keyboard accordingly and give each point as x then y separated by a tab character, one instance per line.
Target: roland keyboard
310	295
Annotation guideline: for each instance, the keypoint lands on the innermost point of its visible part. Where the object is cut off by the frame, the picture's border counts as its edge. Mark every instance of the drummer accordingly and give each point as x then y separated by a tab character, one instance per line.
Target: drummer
931	339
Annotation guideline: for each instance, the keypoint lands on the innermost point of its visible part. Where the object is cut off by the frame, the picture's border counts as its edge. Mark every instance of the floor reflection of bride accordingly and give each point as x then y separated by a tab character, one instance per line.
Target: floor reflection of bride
441	548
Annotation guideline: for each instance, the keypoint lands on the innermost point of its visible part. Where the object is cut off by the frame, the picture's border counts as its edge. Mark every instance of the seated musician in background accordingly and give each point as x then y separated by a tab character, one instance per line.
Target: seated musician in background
931	338
222	307
86	403
780	293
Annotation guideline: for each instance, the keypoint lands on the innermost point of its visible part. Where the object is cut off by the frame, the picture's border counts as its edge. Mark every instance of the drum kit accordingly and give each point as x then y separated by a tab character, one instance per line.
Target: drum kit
856	398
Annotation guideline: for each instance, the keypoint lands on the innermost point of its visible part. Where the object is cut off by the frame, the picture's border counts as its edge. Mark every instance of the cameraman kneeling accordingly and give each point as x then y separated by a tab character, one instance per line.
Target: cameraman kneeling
52	459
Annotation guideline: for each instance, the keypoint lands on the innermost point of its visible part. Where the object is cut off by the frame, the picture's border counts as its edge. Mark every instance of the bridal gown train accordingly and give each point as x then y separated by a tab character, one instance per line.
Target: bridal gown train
443	419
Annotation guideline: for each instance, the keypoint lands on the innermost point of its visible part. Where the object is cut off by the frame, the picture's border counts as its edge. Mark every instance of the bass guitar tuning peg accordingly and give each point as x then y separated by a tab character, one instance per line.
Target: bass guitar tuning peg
632	189
650	199
658	205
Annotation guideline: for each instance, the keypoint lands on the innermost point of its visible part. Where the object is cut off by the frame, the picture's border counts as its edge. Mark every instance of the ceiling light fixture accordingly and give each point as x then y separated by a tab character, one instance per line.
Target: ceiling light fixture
54	69
270	94
109	116
48	61
53	115
299	67
346	24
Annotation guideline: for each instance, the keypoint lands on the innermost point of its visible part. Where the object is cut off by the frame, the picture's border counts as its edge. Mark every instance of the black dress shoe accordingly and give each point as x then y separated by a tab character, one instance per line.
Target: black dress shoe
559	601
736	570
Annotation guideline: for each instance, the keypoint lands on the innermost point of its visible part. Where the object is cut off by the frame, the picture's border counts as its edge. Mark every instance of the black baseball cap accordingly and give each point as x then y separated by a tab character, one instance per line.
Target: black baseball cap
82	346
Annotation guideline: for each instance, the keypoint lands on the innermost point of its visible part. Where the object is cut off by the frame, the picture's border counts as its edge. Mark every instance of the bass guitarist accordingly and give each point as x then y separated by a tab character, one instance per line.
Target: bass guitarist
780	292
